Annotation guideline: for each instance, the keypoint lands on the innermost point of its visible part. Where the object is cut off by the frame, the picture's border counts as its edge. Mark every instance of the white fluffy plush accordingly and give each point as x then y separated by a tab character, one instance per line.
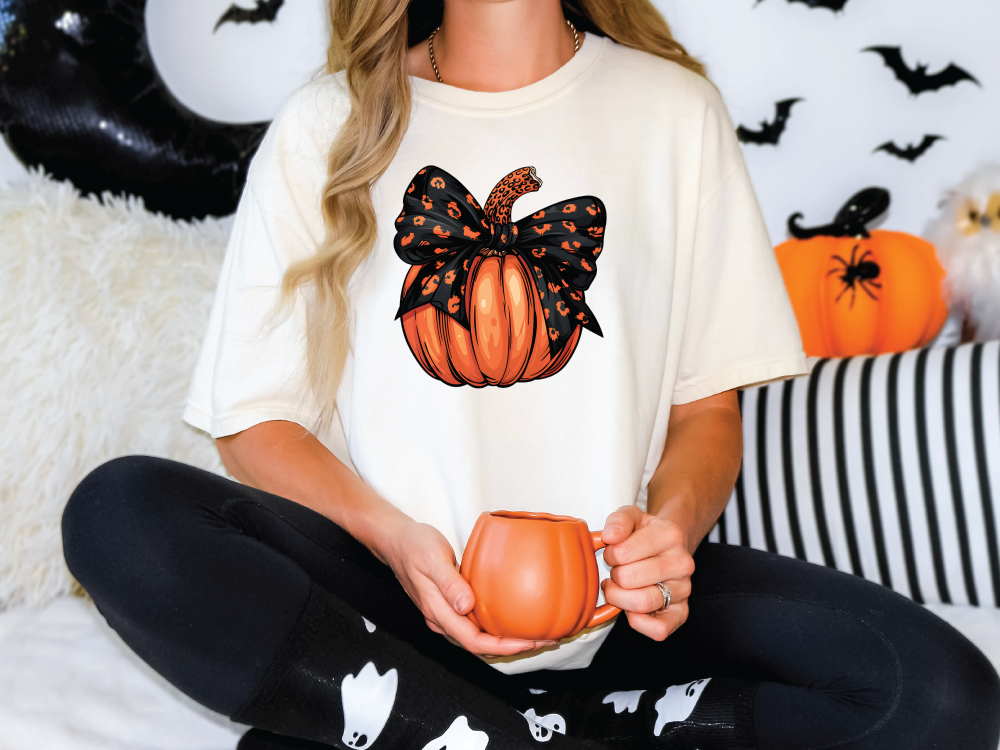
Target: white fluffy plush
972	261
102	310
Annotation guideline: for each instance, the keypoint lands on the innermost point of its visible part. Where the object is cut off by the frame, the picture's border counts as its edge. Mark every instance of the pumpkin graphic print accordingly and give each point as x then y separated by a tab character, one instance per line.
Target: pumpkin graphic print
487	301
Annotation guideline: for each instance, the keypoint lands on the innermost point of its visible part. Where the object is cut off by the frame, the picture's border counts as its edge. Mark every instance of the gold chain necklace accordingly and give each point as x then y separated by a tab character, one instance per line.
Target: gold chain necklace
430	46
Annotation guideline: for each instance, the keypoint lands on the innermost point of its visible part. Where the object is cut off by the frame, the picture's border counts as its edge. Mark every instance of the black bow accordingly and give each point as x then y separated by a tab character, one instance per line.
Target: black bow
442	229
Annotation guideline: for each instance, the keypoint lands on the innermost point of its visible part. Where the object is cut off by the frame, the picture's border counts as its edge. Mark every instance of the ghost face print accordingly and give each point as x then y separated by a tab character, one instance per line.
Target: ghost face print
678	703
542	727
460	736
627	700
368	699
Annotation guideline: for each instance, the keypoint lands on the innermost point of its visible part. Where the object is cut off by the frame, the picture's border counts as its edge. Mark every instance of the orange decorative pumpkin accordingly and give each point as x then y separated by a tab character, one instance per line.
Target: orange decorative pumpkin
487	301
855	292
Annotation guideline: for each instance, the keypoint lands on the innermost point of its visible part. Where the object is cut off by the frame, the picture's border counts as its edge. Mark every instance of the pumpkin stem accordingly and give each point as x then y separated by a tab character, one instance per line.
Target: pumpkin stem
519	182
850	221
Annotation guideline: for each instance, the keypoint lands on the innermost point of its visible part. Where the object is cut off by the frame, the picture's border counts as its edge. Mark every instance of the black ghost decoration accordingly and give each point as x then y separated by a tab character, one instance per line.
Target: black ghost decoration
861	209
80	95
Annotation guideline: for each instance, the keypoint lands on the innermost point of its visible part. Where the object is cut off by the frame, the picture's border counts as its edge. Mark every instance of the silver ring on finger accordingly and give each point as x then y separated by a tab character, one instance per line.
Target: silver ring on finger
667	596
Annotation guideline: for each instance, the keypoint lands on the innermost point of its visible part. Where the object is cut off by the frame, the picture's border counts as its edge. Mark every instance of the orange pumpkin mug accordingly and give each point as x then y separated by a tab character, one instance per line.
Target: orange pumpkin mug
534	575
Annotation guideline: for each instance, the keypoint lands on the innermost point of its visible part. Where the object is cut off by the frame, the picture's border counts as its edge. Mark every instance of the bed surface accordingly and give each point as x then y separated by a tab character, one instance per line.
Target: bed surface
67	682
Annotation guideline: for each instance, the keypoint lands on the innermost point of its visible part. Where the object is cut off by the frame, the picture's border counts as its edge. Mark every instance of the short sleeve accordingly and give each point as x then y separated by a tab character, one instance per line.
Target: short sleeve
739	325
251	370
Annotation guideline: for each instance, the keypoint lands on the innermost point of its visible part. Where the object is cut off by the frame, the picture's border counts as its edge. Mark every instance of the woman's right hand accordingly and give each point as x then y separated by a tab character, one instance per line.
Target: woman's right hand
425	564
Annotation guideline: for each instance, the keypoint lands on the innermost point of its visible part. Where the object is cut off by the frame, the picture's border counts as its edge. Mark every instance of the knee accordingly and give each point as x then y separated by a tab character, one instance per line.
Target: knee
99	521
959	693
969	694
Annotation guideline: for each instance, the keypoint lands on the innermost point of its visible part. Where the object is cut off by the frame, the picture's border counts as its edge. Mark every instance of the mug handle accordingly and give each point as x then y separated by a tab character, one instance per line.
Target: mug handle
606	611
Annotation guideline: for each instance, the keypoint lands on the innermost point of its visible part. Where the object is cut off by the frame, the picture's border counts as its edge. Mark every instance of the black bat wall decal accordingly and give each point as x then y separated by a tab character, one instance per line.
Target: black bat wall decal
911	153
917	79
834	5
770	132
265	10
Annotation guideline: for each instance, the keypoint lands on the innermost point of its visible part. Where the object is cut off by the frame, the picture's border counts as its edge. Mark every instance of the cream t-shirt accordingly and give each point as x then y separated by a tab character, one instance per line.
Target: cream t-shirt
637	274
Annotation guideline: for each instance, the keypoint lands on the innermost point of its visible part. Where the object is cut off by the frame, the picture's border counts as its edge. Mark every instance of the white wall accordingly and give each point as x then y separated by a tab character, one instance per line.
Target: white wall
757	53
762	53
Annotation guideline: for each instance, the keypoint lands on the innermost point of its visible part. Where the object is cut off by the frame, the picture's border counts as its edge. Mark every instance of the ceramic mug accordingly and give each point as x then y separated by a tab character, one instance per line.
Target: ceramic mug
534	575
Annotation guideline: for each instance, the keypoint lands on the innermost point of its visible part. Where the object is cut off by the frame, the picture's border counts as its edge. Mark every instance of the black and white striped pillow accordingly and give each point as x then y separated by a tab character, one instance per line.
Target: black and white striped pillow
887	467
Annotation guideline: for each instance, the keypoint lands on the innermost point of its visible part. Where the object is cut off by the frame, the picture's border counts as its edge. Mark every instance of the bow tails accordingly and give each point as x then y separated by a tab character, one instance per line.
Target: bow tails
561	244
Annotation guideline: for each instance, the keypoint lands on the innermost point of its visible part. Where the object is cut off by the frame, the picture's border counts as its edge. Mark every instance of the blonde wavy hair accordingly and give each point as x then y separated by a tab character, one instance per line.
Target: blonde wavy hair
369	43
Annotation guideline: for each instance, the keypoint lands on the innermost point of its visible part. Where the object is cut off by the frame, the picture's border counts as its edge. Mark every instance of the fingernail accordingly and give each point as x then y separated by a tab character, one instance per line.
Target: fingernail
461	603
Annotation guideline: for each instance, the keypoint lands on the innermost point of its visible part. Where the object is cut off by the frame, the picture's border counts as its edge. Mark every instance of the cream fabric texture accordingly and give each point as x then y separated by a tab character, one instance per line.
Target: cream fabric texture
687	293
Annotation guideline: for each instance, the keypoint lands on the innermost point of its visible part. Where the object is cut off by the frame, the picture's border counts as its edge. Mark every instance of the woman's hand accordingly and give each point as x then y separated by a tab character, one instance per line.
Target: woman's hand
424	563
285	459
687	493
643	550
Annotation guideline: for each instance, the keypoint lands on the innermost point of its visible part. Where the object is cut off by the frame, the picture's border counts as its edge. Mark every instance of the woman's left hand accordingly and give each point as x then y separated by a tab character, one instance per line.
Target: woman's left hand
643	550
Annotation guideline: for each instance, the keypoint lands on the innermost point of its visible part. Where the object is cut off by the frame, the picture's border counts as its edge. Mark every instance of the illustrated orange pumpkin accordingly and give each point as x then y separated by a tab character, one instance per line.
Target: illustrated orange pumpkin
857	292
507	342
511	335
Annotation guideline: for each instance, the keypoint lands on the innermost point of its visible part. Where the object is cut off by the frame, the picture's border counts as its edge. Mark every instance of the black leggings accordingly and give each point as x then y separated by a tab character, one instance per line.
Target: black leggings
252	605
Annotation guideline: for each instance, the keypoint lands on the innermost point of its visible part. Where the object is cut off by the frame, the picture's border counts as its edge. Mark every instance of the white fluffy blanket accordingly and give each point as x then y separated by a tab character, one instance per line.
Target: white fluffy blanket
68	682
102	310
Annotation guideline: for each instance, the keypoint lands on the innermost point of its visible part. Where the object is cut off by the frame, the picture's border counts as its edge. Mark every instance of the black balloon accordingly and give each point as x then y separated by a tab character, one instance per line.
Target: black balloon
81	96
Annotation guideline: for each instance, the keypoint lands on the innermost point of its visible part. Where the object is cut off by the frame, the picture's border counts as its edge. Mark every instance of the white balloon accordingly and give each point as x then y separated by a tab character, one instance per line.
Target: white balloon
241	72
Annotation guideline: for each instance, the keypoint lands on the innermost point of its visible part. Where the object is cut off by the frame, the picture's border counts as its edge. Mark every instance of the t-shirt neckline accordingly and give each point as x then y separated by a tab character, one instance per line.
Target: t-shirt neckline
498	101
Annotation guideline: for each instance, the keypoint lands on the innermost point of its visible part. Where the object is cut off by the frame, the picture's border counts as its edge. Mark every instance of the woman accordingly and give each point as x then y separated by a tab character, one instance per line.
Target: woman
454	326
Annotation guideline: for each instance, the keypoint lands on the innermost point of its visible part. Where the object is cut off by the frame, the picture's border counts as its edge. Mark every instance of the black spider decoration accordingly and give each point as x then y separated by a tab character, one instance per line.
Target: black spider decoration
860	272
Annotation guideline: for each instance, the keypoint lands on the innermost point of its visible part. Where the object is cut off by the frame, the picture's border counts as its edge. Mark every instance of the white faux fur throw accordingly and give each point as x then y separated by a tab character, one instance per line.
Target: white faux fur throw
102	310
